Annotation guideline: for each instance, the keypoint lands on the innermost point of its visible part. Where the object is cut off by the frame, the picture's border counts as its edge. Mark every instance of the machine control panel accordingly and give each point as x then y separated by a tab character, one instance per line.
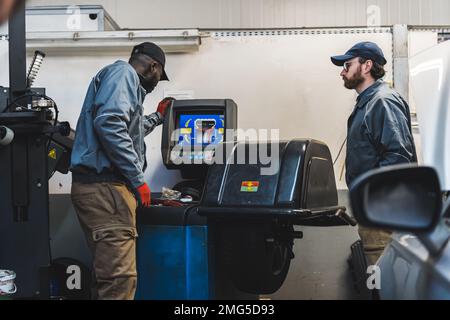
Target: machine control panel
194	128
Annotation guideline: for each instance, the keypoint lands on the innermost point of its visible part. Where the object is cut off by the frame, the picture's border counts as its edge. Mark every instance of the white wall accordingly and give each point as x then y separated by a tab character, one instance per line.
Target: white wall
267	13
279	82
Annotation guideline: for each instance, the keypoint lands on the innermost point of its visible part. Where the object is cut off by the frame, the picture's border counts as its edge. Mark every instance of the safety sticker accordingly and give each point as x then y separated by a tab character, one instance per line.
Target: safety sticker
249	186
52	154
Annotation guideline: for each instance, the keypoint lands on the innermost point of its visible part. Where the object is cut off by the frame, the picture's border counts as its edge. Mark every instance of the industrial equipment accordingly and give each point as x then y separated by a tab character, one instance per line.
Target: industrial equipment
236	239
30	133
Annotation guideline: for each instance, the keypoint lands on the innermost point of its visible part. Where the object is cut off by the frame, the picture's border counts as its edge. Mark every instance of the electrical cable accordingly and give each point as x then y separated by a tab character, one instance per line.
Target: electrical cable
340	151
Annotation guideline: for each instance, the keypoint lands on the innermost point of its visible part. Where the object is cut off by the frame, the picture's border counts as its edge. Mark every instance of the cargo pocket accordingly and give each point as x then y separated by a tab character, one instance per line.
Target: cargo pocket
115	252
125	203
374	239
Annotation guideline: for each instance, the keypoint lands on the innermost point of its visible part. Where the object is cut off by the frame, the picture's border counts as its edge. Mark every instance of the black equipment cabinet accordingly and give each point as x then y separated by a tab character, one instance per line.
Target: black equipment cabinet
253	214
24	221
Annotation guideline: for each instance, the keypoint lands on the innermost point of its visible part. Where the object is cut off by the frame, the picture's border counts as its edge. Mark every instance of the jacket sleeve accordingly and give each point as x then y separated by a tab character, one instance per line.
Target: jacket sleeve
114	101
389	131
152	121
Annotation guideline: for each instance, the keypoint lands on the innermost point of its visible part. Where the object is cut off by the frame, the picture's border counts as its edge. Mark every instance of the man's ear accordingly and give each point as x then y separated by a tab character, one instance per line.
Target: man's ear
153	67
368	66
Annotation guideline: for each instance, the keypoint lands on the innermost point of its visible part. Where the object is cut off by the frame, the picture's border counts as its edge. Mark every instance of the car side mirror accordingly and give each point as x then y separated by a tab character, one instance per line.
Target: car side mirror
401	198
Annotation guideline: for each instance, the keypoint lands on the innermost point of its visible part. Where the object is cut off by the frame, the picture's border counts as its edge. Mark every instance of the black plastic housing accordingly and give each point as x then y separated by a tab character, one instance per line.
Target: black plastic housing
303	179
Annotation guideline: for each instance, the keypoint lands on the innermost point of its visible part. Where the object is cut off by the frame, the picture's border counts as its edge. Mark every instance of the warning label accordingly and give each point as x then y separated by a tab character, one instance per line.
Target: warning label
249	186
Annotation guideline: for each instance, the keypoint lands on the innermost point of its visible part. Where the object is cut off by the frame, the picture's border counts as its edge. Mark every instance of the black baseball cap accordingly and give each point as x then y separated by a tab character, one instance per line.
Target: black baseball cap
367	50
153	51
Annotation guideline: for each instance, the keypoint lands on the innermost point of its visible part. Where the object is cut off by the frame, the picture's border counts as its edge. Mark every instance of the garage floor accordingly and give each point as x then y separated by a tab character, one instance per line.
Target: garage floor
319	270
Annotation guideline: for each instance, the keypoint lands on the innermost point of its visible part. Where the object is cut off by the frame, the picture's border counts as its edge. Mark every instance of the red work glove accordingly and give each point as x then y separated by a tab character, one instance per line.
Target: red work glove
144	193
164	104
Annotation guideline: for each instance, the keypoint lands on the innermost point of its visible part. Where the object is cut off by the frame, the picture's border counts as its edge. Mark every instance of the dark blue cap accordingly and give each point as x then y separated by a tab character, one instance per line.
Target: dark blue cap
367	50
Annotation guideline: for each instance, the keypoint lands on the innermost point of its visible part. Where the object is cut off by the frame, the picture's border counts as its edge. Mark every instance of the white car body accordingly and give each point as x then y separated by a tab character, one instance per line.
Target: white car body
408	272
409	268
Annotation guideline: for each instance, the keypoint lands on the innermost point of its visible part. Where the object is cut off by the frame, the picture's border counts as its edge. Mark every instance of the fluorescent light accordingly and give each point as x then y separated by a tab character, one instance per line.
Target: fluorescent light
179	40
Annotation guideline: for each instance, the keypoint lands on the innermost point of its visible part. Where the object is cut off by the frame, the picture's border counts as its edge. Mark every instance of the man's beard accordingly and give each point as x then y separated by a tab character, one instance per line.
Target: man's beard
354	82
149	83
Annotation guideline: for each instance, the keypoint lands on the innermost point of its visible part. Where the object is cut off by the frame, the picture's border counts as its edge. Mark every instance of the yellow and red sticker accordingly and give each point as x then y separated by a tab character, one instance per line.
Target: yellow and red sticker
249	186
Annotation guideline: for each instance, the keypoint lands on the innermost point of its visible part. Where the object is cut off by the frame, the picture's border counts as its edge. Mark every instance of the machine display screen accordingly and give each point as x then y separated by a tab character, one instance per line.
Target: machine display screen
201	130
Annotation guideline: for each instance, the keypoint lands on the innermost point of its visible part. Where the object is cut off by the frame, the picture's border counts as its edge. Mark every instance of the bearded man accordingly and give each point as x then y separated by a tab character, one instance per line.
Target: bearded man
379	128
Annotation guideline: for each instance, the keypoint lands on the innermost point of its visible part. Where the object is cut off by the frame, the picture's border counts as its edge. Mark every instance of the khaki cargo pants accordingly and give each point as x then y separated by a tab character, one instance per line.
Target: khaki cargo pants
107	214
374	242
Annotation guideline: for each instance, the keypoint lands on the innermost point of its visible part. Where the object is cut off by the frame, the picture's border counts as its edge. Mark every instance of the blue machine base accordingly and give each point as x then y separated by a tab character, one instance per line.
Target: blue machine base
172	263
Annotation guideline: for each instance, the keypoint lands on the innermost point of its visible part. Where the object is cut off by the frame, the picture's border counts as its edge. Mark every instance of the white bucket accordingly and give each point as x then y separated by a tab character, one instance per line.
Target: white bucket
7	285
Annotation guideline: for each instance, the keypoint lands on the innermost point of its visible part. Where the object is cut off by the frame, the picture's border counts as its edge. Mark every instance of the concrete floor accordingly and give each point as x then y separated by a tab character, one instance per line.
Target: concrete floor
319	270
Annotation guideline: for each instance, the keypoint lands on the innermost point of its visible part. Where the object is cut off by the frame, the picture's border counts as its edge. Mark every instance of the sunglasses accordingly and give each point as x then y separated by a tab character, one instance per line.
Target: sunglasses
347	66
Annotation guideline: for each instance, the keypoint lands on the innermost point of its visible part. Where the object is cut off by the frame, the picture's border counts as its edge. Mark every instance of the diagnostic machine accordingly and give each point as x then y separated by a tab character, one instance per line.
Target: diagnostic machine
231	234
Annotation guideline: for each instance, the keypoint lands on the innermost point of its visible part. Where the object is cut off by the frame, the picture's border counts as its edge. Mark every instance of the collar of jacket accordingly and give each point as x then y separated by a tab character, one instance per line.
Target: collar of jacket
141	89
367	94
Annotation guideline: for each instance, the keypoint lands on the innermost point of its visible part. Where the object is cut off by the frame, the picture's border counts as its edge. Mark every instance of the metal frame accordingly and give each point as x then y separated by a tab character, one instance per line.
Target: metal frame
24	216
17	61
400	48
294	31
180	40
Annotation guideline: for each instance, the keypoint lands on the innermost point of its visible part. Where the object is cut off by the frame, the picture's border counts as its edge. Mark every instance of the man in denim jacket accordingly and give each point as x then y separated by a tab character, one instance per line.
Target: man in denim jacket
108	164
